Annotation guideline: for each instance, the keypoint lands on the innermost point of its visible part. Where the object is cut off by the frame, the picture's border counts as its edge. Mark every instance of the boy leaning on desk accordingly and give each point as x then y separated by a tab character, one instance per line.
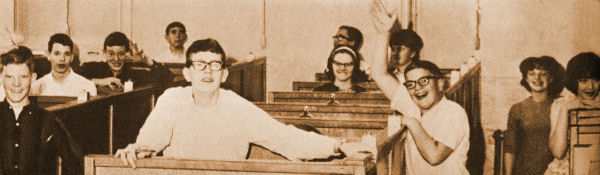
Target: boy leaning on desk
203	121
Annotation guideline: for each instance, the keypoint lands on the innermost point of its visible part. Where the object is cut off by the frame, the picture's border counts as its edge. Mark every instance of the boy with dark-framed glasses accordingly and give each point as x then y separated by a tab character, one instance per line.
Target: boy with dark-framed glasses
203	121
438	139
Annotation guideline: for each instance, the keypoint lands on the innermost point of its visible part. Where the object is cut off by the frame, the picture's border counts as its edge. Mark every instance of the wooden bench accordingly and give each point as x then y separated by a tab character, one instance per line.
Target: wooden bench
325	97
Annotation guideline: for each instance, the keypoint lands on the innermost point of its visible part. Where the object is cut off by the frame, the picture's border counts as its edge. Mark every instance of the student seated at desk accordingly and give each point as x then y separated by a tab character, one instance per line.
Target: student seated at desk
353	38
62	81
203	121
30	137
124	62
343	69
176	36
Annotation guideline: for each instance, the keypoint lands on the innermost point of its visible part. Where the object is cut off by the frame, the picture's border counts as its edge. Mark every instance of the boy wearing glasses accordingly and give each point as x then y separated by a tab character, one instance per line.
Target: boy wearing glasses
439	138
203	121
121	57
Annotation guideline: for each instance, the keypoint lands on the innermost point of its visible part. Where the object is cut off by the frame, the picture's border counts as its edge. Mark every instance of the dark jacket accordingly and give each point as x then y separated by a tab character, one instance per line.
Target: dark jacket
157	73
32	143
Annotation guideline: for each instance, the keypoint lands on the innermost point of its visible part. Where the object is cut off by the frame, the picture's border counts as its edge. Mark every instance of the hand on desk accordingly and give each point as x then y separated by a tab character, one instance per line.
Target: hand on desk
130	154
357	149
111	82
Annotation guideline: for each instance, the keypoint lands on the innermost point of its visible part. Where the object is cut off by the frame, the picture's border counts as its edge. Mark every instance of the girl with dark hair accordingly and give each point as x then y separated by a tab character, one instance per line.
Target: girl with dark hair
529	121
343	70
583	81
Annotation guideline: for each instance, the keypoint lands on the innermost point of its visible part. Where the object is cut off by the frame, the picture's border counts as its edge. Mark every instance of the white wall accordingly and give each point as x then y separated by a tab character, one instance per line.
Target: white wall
7	15
37	20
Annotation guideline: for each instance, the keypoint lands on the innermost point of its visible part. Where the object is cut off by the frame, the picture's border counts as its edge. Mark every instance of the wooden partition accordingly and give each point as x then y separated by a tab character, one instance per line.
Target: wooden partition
584	144
466	93
323	77
106	164
248	79
324	111
390	153
325	97
310	85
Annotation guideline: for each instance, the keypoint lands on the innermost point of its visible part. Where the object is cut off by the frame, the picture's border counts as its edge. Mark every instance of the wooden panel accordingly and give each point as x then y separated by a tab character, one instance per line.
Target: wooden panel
310	85
339	112
324	97
248	79
584	135
323	77
103	164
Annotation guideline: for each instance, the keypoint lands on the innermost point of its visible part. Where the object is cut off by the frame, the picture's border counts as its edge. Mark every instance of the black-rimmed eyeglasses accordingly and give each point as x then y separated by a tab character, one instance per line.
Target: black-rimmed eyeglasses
423	81
201	65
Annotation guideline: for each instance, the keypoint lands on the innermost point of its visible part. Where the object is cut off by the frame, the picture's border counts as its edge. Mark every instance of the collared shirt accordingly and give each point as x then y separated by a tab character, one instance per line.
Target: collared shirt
447	123
72	86
167	56
223	132
31	143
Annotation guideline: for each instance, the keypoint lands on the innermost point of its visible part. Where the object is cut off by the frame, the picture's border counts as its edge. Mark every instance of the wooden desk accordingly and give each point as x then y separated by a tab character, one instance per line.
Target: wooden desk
106	164
324	97
323	111
310	85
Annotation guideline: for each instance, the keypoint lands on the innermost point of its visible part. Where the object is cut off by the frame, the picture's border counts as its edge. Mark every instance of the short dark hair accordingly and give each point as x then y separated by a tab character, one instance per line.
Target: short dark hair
205	45
20	55
356	72
583	65
354	35
116	39
407	38
60	38
175	24
429	66
547	63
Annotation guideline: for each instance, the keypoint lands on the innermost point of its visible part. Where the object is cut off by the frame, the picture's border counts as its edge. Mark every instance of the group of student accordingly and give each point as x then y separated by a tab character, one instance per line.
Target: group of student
204	121
536	136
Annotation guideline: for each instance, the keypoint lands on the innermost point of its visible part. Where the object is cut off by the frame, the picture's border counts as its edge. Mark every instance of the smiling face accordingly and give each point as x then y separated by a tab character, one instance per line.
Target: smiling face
588	88
115	57
425	96
342	65
16	79
200	74
538	80
60	57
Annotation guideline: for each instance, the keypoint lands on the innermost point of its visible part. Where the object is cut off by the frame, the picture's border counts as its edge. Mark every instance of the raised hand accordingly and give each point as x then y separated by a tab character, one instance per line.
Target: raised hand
137	55
382	19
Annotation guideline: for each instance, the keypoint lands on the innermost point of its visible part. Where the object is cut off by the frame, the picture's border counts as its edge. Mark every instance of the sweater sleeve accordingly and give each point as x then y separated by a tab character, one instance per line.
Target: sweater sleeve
291	142
156	132
512	129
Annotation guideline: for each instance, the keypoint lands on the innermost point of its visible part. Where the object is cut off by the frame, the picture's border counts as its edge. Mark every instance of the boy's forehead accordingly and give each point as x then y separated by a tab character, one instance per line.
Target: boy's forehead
417	73
205	56
115	48
176	28
57	45
13	68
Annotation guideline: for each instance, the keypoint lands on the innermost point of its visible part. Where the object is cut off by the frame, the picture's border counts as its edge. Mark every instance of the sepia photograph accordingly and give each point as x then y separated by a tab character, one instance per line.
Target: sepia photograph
353	87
